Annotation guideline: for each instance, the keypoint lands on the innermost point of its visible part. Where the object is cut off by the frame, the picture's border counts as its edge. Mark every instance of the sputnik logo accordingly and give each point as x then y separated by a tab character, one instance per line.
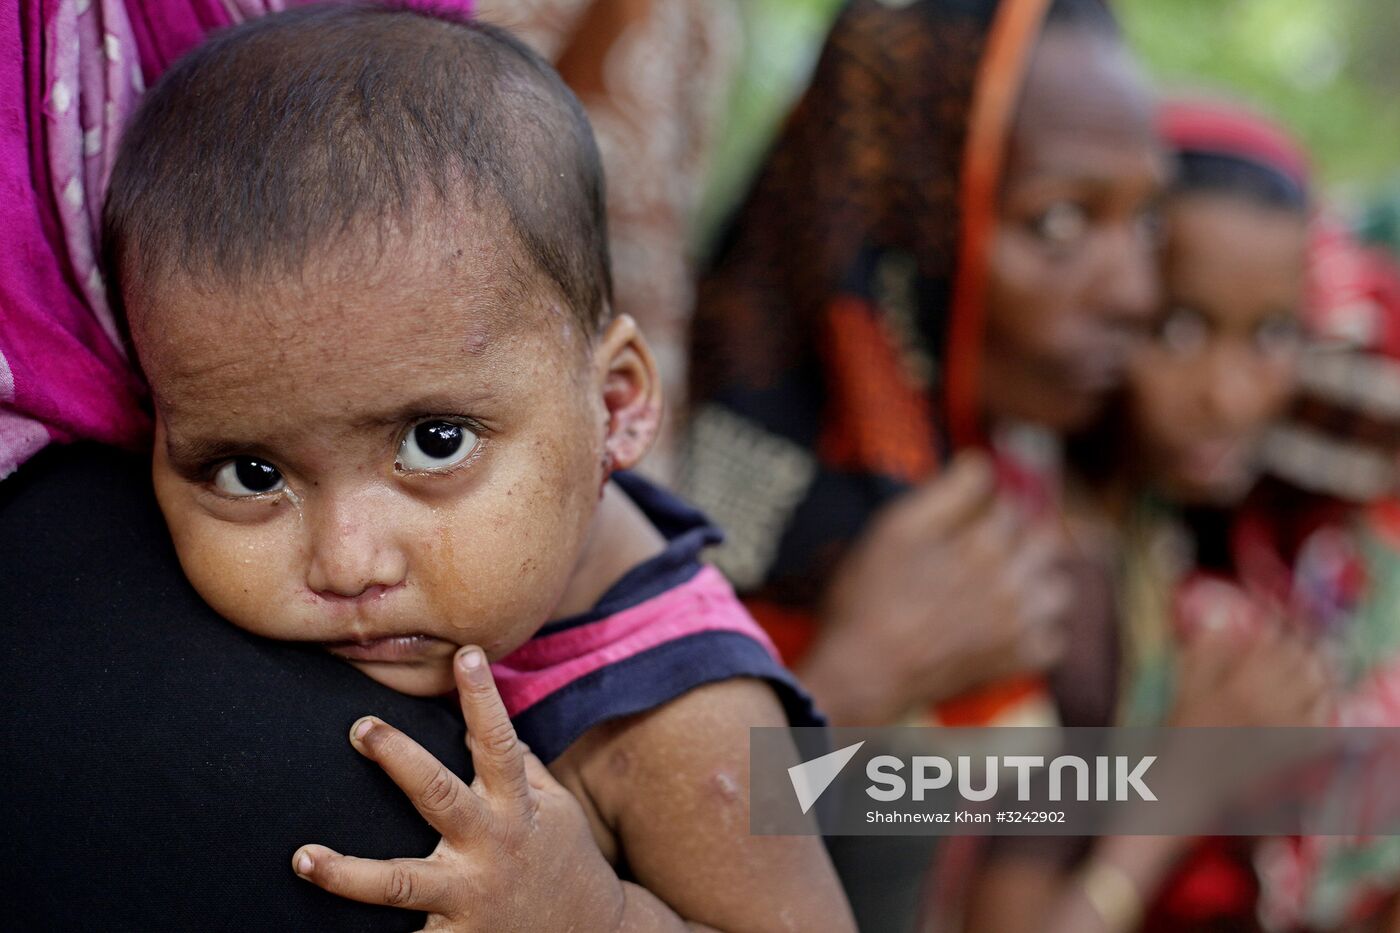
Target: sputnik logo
811	778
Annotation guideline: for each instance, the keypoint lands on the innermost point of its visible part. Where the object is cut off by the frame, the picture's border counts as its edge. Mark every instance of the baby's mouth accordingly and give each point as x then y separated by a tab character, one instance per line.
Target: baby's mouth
390	648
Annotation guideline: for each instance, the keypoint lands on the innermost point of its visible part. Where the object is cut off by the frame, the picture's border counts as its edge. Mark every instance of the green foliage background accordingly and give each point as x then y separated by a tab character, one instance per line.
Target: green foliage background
1329	69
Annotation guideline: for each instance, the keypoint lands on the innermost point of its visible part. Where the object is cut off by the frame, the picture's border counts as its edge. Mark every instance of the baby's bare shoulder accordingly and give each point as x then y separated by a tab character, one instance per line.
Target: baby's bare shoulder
672	784
700	737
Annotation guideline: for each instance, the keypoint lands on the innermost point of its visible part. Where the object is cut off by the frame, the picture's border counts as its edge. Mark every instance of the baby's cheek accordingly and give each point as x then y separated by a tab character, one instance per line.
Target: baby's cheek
495	573
464	591
244	576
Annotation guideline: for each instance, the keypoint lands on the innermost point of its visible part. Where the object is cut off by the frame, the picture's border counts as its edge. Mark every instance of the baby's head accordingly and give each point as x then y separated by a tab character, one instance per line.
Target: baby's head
362	256
1222	363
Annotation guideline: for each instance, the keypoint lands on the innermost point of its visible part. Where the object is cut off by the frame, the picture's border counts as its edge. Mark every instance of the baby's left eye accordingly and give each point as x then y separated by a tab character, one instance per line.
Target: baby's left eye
435	445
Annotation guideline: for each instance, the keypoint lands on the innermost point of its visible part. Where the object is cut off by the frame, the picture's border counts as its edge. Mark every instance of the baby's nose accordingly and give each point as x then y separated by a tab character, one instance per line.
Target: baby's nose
354	558
364	579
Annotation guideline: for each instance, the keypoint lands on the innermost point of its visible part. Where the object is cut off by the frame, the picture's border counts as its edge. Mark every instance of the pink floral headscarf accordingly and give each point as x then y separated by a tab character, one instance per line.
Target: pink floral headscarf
71	73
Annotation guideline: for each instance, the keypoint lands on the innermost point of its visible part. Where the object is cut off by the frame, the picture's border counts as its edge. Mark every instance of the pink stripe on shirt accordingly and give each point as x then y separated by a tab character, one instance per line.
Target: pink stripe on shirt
547	663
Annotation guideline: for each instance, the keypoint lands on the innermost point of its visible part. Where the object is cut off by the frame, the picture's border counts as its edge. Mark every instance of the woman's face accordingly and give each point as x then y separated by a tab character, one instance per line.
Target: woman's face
1221	363
1073	277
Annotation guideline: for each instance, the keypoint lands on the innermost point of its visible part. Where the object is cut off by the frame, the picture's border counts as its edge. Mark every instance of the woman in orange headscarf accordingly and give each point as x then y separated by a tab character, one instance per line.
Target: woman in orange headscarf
950	249
952	237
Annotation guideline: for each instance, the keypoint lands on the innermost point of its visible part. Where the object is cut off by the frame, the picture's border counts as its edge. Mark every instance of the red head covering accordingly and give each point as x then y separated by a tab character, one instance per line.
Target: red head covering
1343	437
1218	128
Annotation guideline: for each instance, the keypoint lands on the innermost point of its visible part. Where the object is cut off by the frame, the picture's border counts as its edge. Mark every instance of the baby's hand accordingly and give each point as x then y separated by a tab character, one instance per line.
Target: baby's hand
516	851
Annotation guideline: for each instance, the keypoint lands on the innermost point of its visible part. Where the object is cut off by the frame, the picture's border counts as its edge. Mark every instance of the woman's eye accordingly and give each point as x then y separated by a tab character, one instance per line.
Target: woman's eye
1183	332
1061	224
1152	226
1277	337
435	445
247	476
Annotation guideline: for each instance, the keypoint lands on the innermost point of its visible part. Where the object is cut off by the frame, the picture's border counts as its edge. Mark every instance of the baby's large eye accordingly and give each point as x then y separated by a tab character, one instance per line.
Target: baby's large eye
247	476
435	445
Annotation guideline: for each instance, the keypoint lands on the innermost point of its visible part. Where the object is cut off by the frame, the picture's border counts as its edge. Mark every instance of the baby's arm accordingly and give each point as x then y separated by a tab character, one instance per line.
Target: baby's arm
673	784
516	850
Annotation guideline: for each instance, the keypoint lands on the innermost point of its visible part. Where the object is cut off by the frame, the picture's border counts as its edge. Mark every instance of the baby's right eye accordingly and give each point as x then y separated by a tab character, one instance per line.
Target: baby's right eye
247	476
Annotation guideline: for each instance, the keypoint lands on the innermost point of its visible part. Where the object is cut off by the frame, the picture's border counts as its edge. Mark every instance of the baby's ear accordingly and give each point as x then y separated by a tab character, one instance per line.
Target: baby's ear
631	392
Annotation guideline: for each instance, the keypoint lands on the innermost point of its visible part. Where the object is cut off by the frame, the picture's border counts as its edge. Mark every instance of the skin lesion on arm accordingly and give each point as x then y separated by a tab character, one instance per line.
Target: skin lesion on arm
672	789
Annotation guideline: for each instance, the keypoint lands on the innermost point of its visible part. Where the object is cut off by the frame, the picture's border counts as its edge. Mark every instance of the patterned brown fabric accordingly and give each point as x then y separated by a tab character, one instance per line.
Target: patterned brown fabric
824	333
653	76
870	157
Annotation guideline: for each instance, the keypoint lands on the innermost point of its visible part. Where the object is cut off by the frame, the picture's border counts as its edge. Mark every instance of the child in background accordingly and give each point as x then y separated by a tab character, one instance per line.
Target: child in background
362	258
1228	539
1163	484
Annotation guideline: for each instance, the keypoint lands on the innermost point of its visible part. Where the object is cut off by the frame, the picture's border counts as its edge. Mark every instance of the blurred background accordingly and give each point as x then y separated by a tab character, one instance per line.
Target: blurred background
1328	69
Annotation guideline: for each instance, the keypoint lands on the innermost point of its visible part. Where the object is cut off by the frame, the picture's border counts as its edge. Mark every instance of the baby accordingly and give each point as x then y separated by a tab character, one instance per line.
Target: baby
362	258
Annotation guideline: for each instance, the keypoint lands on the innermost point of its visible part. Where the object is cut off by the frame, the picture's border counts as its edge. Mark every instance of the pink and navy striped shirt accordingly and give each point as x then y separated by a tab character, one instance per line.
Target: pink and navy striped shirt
668	626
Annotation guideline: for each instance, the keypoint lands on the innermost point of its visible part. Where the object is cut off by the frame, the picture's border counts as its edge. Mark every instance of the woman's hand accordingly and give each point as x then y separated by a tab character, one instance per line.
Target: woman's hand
516	850
1266	678
946	591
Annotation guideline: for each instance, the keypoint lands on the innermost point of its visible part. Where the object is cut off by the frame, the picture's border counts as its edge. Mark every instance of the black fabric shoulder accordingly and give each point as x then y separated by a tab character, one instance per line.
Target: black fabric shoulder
162	766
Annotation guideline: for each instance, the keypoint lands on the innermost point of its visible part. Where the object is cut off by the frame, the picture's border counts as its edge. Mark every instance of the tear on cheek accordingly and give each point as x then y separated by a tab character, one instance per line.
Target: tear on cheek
440	563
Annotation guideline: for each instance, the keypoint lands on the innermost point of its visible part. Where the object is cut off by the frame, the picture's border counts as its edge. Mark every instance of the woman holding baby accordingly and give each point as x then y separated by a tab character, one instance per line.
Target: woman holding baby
951	248
236	687
360	255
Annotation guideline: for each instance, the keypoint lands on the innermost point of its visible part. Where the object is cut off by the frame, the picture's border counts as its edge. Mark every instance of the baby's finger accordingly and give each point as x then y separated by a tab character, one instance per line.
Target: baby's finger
413	884
497	752
445	801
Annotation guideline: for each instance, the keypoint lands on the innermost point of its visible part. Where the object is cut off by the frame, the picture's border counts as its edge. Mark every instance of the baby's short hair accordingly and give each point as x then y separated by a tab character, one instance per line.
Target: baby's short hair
280	135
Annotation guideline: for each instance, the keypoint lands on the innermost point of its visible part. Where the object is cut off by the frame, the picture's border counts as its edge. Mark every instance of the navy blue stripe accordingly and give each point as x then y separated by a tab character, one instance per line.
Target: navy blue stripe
654	677
671	514
687	532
